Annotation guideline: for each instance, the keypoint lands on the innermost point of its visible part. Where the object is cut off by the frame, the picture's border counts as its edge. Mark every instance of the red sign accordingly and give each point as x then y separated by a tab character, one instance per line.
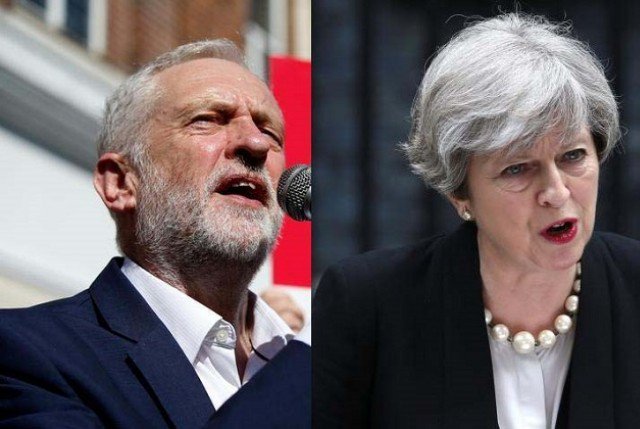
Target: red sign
291	85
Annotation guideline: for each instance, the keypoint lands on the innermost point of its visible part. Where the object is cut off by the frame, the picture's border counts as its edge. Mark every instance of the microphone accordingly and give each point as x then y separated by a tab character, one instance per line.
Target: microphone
294	192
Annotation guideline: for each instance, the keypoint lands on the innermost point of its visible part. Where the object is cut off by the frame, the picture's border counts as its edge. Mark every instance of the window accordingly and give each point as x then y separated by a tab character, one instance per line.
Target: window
36	7
82	20
76	23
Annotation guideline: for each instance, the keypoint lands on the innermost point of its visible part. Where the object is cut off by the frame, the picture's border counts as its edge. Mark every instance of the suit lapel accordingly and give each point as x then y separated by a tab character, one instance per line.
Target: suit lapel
469	396
156	356
173	380
589	402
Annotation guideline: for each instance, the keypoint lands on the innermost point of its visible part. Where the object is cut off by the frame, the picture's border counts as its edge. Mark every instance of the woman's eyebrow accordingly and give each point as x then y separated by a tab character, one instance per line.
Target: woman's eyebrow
508	158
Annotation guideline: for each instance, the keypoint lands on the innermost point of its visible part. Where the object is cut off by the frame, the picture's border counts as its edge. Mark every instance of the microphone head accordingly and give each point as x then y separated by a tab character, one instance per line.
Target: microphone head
294	192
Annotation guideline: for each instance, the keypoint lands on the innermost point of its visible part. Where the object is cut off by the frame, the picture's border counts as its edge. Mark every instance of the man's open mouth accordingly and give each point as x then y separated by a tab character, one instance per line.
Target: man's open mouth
244	186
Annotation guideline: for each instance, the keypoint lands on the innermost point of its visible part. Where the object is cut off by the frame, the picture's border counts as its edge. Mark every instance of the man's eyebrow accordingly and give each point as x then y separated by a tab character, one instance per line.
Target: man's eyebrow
262	117
219	105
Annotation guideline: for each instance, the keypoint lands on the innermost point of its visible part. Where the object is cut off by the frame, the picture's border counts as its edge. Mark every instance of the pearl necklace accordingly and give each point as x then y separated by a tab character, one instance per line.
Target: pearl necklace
524	342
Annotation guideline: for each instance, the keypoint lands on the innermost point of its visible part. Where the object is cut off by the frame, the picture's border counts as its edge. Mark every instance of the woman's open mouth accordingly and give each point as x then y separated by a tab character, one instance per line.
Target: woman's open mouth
561	232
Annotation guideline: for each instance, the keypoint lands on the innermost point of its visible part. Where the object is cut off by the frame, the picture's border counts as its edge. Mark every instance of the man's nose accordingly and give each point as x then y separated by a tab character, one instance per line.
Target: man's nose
554	191
247	143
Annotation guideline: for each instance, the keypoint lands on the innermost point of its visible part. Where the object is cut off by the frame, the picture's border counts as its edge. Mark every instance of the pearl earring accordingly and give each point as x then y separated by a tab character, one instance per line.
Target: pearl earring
466	215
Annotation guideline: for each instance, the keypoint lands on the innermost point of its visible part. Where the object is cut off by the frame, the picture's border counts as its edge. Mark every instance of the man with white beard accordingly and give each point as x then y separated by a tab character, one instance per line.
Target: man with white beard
190	151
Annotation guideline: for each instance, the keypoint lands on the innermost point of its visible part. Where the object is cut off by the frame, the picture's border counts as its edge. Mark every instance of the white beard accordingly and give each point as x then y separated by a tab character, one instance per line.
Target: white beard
187	227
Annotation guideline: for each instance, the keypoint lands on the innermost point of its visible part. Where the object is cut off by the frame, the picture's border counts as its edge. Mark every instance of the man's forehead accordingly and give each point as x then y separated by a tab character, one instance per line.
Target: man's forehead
210	68
221	97
207	81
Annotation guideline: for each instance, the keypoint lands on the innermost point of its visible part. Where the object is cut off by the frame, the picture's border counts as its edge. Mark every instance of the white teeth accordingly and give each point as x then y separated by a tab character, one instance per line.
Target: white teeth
557	225
249	184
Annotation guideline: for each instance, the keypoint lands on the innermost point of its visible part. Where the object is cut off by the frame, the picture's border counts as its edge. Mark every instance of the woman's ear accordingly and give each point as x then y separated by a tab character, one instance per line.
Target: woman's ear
462	206
116	183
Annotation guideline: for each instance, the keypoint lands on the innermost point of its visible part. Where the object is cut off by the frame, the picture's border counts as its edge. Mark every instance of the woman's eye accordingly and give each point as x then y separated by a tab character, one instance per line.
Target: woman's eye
513	170
574	155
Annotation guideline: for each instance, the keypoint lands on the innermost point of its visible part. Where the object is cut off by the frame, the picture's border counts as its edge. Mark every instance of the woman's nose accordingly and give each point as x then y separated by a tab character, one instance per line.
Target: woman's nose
554	192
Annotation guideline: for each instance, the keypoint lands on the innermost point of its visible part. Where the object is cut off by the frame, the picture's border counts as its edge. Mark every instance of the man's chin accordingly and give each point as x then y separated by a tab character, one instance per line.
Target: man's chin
244	238
237	220
246	252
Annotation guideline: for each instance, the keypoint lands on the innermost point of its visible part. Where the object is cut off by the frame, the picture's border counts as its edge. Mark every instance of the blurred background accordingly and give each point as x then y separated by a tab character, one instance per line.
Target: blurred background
369	58
59	60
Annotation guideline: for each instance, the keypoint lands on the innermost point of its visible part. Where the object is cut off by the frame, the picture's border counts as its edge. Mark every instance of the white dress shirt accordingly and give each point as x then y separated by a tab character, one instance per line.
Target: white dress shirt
207	340
305	334
529	386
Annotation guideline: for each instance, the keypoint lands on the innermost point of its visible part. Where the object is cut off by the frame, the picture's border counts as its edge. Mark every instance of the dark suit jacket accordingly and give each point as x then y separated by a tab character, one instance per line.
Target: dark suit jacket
99	359
400	339
279	396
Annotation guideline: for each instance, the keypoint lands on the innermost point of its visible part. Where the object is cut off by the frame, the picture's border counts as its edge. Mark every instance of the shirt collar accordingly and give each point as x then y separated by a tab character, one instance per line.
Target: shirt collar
270	333
305	334
189	322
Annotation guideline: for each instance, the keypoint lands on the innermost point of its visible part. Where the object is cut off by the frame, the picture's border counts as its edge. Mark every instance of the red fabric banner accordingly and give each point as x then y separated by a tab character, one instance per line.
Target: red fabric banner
291	85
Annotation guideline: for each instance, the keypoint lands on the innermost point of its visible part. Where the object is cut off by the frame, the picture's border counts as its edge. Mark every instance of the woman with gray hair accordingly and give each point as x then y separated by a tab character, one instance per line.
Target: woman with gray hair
523	317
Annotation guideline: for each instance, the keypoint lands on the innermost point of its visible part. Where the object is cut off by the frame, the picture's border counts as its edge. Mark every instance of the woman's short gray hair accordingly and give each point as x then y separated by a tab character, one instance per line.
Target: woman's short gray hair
129	109
501	84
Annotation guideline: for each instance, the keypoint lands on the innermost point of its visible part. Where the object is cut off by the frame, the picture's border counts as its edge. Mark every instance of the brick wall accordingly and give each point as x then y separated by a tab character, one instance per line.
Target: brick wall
139	31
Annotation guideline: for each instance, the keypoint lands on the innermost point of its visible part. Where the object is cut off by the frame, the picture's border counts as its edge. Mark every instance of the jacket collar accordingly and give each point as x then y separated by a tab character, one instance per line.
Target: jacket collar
155	354
589	388
589	397
469	395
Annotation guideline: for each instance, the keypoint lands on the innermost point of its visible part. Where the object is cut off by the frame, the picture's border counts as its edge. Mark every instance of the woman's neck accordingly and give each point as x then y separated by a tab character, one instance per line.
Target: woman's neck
523	297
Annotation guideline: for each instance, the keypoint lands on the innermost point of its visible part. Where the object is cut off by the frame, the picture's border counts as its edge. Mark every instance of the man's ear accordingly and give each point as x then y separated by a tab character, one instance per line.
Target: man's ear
116	183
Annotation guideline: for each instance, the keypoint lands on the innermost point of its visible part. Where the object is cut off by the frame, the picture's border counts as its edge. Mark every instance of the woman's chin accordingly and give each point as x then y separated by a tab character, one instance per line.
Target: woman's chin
561	259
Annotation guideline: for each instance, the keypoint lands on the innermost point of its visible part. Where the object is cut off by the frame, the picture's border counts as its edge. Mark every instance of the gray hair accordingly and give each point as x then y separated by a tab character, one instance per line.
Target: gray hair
501	84
129	109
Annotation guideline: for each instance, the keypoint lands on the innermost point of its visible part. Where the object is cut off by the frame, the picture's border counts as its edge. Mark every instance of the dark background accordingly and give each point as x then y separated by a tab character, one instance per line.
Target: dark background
368	59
